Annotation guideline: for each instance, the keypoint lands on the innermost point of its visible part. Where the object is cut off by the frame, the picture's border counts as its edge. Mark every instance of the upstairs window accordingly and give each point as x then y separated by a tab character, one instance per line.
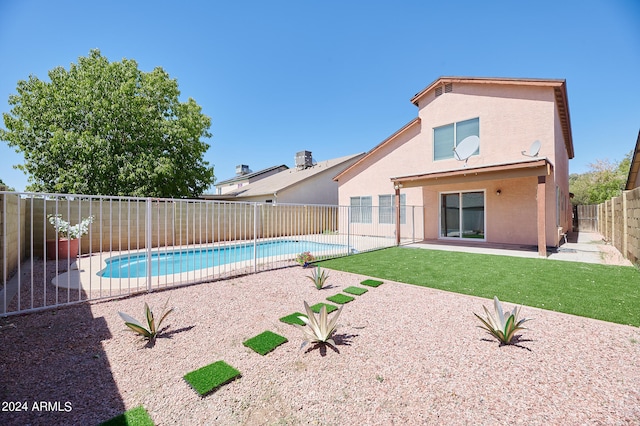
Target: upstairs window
445	138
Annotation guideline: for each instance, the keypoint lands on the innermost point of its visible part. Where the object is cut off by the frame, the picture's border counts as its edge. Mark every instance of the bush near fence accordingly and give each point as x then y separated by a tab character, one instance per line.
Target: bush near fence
619	223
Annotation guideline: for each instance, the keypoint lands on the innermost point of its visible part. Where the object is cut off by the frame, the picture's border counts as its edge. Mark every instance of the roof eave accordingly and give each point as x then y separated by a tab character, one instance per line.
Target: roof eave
634	168
560	92
378	147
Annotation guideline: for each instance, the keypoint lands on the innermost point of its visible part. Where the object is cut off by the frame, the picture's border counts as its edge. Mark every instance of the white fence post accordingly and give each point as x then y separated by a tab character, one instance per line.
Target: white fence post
255	237
149	240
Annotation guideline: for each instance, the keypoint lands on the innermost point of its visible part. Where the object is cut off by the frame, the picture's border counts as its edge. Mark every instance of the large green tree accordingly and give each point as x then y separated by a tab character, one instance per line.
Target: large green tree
108	128
601	182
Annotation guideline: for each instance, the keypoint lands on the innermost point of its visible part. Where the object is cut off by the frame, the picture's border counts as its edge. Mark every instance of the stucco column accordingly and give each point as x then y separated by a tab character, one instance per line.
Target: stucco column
542	220
397	188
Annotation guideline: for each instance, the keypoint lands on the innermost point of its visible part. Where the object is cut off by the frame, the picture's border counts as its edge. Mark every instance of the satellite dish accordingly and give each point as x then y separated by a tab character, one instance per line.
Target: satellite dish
533	150
466	148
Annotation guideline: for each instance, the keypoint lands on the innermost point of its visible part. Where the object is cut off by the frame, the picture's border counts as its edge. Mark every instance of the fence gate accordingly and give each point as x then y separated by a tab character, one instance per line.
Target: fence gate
587	218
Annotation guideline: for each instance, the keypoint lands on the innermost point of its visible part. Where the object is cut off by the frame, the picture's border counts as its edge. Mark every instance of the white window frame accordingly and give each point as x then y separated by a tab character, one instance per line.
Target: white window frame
454	142
460	238
390	210
357	211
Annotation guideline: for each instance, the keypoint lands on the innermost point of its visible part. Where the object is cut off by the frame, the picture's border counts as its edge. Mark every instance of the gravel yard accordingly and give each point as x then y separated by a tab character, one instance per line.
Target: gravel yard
404	355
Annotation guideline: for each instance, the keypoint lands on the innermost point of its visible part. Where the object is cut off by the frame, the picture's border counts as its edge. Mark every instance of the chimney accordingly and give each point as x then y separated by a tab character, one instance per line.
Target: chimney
242	169
303	160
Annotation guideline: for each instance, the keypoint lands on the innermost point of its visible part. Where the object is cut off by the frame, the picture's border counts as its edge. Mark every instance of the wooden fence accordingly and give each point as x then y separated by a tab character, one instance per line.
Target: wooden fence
619	223
587	218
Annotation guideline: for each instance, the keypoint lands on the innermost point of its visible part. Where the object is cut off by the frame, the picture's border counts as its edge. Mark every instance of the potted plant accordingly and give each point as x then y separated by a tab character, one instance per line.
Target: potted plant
66	246
305	258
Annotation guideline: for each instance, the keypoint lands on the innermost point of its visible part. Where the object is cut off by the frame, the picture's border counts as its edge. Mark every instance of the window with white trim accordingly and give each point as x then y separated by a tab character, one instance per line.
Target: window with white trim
360	209
445	138
387	209
462	215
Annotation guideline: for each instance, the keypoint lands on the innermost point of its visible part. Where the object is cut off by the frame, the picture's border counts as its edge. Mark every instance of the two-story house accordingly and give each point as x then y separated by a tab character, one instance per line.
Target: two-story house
513	187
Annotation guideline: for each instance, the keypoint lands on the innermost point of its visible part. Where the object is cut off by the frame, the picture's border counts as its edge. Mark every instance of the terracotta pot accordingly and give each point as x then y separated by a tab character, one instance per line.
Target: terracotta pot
66	249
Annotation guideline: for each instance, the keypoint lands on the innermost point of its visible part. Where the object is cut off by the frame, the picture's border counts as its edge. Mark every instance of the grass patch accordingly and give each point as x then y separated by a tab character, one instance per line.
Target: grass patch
137	416
358	291
265	342
316	308
608	293
207	379
293	318
371	283
340	298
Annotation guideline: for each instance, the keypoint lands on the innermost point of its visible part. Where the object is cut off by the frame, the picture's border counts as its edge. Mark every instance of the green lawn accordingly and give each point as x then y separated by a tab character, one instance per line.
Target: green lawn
609	293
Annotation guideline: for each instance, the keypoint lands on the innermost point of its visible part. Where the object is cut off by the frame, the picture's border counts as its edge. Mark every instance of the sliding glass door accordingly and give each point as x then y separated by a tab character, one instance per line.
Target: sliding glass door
462	215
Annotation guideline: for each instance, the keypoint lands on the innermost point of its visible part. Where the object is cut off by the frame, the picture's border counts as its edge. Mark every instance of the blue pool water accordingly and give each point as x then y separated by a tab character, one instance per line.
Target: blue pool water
177	261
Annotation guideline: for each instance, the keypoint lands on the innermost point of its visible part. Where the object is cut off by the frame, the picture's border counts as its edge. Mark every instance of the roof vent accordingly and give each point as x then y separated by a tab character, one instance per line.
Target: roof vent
303	160
438	91
242	169
448	87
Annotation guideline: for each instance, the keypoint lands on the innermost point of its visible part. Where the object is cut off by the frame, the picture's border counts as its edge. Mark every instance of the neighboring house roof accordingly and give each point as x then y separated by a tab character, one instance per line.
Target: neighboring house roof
633	181
405	128
251	175
283	180
559	87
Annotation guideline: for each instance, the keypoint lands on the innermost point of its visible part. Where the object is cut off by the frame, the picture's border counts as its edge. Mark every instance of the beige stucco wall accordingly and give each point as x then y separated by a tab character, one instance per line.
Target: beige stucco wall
511	118
509	217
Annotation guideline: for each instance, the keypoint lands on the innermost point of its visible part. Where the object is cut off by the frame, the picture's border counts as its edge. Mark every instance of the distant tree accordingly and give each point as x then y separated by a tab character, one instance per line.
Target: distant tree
109	129
601	182
7	186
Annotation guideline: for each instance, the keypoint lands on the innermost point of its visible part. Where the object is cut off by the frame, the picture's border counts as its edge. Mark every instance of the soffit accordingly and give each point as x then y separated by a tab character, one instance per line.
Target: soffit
526	168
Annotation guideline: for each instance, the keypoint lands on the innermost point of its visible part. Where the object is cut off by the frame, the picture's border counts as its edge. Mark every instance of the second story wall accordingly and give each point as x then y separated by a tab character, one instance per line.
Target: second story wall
510	119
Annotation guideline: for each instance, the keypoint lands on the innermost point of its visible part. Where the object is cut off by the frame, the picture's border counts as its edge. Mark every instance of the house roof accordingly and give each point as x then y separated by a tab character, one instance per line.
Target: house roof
250	175
405	128
284	179
521	168
635	166
559	87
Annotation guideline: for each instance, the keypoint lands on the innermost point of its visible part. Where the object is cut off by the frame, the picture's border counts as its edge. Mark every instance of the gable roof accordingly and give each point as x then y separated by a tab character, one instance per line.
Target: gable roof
284	179
387	141
559	87
634	170
251	175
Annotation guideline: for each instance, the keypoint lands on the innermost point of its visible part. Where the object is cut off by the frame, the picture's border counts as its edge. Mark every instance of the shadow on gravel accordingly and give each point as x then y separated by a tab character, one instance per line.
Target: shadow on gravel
48	360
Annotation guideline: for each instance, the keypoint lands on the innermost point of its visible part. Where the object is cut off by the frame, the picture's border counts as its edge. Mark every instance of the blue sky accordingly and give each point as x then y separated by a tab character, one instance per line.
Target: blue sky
335	77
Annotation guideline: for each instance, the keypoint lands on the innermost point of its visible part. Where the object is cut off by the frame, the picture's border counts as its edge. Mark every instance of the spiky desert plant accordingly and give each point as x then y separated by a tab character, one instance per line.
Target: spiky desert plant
154	328
503	325
318	278
319	330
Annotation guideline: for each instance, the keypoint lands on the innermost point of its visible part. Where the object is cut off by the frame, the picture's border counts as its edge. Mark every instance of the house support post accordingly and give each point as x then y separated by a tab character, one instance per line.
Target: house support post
397	199
542	222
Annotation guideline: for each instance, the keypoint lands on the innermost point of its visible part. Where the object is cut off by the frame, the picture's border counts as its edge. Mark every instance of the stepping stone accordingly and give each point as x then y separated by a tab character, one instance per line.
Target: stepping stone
209	378
293	318
265	342
371	283
316	308
358	291
340	298
136	416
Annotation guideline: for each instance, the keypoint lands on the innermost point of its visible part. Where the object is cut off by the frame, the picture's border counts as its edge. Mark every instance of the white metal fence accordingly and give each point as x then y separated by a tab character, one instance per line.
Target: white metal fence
142	244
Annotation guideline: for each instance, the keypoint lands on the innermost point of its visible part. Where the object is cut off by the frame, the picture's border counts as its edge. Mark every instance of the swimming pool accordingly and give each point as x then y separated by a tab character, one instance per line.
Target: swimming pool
177	261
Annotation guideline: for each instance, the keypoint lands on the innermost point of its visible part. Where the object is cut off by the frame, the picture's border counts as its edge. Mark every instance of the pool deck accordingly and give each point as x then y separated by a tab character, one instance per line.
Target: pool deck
580	247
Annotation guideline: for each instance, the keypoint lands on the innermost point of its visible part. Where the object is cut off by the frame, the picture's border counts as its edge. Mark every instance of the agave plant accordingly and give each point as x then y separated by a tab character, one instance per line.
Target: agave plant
503	325
318	278
319	330
153	329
